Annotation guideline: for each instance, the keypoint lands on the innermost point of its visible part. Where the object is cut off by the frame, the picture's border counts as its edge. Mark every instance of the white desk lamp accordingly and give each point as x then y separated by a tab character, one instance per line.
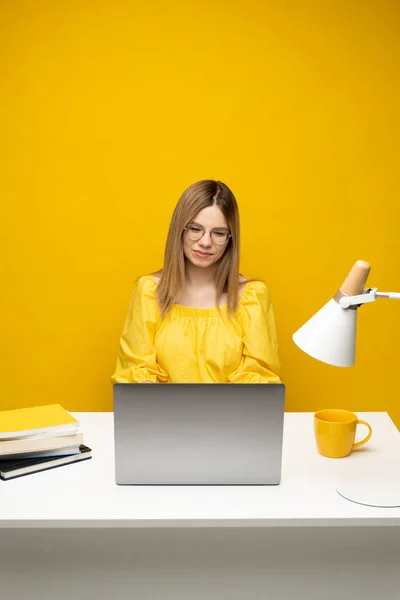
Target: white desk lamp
330	336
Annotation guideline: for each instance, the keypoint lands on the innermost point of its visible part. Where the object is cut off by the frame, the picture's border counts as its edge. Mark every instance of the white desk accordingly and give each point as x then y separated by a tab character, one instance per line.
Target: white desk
197	542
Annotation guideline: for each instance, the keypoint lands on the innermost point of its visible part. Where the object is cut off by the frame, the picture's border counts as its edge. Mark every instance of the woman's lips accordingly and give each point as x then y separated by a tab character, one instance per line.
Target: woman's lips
201	254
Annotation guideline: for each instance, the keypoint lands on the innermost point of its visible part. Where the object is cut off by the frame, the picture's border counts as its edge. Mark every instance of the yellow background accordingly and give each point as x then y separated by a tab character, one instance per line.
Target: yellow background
109	110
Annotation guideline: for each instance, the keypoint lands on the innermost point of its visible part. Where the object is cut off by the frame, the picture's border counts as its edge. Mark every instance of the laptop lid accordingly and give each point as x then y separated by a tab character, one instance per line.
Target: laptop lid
198	434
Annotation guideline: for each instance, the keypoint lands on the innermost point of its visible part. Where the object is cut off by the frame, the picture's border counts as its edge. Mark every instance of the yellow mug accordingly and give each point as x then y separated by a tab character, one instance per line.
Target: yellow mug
335	431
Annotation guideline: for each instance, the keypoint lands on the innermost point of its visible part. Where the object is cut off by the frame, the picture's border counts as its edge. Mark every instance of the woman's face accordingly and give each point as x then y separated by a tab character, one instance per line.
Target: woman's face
207	250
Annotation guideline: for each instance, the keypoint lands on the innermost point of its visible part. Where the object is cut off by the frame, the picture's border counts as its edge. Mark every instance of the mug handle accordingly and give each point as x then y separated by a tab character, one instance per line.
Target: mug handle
365	440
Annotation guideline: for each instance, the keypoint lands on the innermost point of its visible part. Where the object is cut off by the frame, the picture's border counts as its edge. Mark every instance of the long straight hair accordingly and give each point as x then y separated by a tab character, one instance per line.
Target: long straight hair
196	197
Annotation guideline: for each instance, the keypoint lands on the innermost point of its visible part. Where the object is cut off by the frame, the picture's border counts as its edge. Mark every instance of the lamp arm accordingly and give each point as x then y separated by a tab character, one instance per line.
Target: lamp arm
368	295
391	295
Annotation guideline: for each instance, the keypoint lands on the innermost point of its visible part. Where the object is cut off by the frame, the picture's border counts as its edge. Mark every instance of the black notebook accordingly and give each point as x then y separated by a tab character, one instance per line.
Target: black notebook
16	467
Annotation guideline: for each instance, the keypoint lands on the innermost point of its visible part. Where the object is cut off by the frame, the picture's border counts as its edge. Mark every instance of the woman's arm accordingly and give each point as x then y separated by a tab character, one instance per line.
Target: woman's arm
260	359
137	358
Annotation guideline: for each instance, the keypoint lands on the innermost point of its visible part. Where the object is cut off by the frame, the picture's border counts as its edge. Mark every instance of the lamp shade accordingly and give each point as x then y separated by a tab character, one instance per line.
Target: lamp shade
330	335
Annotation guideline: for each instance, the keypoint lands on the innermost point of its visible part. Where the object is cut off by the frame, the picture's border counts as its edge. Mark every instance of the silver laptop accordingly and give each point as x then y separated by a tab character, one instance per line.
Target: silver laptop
198	434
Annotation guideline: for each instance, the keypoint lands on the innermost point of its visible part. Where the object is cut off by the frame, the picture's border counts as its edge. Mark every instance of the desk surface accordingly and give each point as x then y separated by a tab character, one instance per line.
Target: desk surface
85	494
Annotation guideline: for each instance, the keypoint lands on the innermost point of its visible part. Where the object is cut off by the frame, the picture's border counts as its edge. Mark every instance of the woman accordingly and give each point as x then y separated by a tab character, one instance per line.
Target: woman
198	319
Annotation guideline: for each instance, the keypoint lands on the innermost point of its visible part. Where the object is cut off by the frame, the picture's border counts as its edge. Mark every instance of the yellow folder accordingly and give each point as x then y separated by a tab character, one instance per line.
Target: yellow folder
21	422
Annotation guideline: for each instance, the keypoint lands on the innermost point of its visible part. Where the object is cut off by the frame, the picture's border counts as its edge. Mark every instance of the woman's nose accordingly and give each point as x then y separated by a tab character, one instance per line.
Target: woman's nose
205	240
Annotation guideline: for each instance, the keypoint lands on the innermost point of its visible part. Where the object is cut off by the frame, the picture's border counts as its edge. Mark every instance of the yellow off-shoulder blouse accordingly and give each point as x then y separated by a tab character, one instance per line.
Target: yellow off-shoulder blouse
198	345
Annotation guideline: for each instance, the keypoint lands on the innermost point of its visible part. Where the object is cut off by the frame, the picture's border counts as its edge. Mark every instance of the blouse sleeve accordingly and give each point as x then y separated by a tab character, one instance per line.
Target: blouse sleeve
260	358
137	360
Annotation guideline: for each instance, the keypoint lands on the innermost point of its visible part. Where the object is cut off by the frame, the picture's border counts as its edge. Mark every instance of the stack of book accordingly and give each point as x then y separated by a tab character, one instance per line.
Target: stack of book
39	438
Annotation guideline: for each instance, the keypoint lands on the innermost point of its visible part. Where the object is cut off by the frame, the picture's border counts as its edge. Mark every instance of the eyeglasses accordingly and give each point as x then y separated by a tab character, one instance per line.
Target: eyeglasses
218	236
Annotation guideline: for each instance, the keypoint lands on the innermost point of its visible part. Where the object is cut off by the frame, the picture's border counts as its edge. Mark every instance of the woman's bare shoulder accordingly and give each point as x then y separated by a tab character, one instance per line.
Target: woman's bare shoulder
157	276
242	284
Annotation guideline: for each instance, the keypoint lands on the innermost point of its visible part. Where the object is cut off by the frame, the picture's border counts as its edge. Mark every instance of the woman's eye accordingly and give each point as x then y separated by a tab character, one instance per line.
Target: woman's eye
194	229
220	233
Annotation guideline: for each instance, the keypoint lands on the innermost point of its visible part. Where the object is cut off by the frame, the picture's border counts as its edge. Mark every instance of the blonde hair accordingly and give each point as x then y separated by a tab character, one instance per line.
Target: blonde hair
196	197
